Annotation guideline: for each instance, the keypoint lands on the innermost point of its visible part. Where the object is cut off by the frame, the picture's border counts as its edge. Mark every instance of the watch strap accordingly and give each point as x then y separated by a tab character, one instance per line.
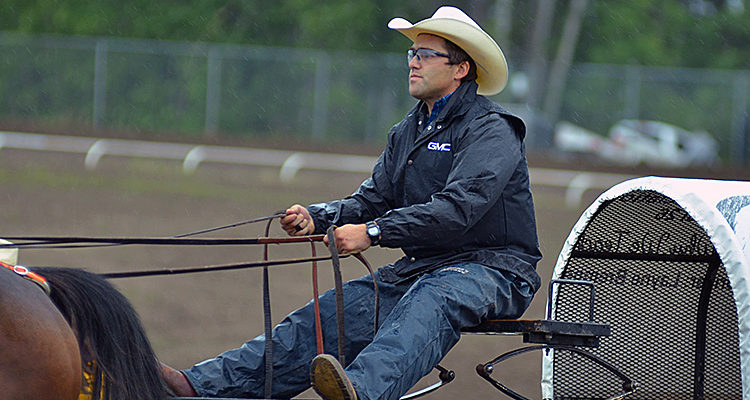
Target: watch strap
374	239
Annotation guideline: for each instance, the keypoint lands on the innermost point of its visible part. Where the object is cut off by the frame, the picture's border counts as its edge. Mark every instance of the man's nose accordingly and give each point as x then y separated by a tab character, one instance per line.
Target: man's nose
414	63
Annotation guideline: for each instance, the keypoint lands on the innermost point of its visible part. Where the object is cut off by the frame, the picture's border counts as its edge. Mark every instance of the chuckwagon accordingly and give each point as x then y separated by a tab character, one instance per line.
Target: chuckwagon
670	262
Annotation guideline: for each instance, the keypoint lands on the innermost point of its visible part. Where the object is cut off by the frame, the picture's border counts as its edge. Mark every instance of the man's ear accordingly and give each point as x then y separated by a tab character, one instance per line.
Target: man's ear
462	71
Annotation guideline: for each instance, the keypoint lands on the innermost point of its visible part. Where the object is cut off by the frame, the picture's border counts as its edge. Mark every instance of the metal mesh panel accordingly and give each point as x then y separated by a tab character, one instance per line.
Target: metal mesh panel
723	374
648	259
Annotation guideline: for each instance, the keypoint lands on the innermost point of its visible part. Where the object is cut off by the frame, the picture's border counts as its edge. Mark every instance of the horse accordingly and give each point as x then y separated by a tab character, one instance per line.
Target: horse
39	354
84	339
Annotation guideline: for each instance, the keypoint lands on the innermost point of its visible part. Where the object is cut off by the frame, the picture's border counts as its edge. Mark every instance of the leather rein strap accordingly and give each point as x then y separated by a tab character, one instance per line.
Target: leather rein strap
267	321
69	241
27	274
339	294
52	242
339	287
316	304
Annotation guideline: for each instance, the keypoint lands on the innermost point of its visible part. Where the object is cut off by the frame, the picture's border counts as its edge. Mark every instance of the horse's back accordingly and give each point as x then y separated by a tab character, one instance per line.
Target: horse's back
39	355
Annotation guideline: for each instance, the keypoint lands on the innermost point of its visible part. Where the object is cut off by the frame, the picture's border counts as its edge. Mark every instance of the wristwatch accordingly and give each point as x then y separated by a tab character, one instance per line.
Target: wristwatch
373	231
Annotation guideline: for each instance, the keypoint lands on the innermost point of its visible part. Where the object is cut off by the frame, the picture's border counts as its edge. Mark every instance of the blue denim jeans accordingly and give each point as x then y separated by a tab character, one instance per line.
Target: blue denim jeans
420	321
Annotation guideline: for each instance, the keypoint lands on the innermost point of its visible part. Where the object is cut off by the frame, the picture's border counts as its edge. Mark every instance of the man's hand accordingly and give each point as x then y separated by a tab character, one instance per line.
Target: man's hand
297	221
176	381
350	239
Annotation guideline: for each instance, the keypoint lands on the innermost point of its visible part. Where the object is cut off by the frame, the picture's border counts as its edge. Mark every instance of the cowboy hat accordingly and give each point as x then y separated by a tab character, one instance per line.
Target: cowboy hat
8	255
453	24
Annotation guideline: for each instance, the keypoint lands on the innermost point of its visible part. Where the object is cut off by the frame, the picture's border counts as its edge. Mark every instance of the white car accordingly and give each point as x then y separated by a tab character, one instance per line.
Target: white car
573	138
656	143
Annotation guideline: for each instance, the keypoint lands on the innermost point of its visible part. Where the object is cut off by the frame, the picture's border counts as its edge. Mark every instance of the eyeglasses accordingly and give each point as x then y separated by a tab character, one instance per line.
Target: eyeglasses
423	54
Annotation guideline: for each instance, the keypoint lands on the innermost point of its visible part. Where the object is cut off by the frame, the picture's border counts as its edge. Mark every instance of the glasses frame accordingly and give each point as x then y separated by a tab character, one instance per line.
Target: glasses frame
423	53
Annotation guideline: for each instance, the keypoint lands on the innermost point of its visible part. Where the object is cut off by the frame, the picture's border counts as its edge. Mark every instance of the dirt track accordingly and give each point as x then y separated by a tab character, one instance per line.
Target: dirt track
193	317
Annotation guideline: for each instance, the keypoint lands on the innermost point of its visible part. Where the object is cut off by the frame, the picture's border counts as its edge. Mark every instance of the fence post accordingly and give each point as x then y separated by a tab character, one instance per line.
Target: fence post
740	122
632	91
213	91
320	101
100	83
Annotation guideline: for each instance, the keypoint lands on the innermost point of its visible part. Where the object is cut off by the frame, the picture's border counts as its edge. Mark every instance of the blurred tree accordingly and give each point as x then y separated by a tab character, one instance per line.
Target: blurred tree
667	33
564	58
689	33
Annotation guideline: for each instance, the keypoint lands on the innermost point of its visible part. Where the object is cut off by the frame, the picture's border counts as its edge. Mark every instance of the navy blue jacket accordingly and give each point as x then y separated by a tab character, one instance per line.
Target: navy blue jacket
456	189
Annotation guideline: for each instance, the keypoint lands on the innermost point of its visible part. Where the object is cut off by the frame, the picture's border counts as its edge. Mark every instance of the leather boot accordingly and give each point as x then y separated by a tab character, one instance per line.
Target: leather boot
329	380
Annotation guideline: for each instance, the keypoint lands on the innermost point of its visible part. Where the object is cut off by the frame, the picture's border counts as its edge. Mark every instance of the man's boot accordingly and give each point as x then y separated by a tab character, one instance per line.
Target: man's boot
329	380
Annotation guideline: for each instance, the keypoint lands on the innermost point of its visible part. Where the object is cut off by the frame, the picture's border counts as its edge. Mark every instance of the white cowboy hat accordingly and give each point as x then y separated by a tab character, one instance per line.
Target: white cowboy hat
453	24
8	255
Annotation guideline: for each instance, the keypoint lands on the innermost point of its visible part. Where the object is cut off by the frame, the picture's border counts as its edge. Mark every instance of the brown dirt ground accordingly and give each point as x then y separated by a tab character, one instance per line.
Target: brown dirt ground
193	317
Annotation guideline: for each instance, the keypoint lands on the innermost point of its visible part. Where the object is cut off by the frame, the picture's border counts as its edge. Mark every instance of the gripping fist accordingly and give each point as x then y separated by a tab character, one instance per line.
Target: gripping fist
297	221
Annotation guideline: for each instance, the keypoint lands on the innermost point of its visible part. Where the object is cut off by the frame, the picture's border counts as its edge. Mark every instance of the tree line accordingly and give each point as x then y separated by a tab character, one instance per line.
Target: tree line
686	33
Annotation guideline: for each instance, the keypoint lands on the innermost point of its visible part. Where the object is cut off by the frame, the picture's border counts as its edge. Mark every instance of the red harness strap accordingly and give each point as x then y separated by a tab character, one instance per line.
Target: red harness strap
27	274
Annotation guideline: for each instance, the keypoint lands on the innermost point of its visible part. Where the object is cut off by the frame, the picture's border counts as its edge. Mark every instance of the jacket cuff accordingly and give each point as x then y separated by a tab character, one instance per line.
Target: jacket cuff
318	215
384	236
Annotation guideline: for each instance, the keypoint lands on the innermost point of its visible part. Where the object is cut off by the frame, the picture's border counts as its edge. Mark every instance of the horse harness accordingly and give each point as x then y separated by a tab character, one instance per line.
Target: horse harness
27	274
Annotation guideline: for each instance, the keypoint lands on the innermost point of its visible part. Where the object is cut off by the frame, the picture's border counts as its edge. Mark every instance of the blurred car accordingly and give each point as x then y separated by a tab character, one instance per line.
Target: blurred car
656	143
570	137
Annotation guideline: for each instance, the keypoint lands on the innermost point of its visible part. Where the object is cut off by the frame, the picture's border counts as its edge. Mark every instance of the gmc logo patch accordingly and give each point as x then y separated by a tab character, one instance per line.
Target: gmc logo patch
435	146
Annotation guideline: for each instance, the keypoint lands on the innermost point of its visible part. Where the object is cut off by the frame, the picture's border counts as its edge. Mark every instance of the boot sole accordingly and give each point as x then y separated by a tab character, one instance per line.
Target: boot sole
329	380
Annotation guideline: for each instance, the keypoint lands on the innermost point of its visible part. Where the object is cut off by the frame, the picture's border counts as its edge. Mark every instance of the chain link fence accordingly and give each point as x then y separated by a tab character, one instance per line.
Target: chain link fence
197	89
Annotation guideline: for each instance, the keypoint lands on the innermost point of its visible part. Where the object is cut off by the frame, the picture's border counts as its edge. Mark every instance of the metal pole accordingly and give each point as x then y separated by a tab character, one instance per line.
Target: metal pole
100	83
213	91
561	65
503	12
320	106
537	59
632	92
739	119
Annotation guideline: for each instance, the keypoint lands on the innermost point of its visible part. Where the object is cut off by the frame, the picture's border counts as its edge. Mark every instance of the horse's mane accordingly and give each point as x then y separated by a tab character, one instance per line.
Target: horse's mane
109	333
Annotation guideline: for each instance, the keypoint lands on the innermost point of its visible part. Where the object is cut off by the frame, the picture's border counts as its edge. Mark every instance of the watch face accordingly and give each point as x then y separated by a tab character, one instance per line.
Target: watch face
373	231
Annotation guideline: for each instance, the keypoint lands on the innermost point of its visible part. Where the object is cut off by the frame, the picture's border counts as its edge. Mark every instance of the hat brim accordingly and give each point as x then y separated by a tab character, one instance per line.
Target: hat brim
492	69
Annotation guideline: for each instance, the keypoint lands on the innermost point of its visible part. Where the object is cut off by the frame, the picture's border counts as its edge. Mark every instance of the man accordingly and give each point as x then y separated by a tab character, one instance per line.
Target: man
451	189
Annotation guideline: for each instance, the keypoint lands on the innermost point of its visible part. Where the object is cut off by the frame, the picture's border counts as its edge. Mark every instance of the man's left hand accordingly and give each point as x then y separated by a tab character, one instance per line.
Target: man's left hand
350	239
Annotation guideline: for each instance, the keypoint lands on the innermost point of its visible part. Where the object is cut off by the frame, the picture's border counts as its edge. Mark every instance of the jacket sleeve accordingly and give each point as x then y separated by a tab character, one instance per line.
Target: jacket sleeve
485	158
372	199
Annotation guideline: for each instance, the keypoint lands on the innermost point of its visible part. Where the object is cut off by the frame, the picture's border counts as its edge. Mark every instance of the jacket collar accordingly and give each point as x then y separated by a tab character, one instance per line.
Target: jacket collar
459	102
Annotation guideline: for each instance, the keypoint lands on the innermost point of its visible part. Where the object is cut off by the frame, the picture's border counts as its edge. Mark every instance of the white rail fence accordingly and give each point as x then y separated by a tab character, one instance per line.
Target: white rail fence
576	183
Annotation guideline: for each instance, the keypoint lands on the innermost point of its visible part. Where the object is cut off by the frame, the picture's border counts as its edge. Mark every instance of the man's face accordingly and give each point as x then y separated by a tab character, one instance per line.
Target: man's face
432	77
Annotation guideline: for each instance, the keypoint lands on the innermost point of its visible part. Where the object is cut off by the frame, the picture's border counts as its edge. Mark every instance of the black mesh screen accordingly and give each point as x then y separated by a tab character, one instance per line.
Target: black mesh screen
652	266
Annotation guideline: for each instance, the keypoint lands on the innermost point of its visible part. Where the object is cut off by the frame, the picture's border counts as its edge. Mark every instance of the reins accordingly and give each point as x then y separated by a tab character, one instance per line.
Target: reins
211	268
66	242
339	288
59	242
51	242
339	292
278	214
267	322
